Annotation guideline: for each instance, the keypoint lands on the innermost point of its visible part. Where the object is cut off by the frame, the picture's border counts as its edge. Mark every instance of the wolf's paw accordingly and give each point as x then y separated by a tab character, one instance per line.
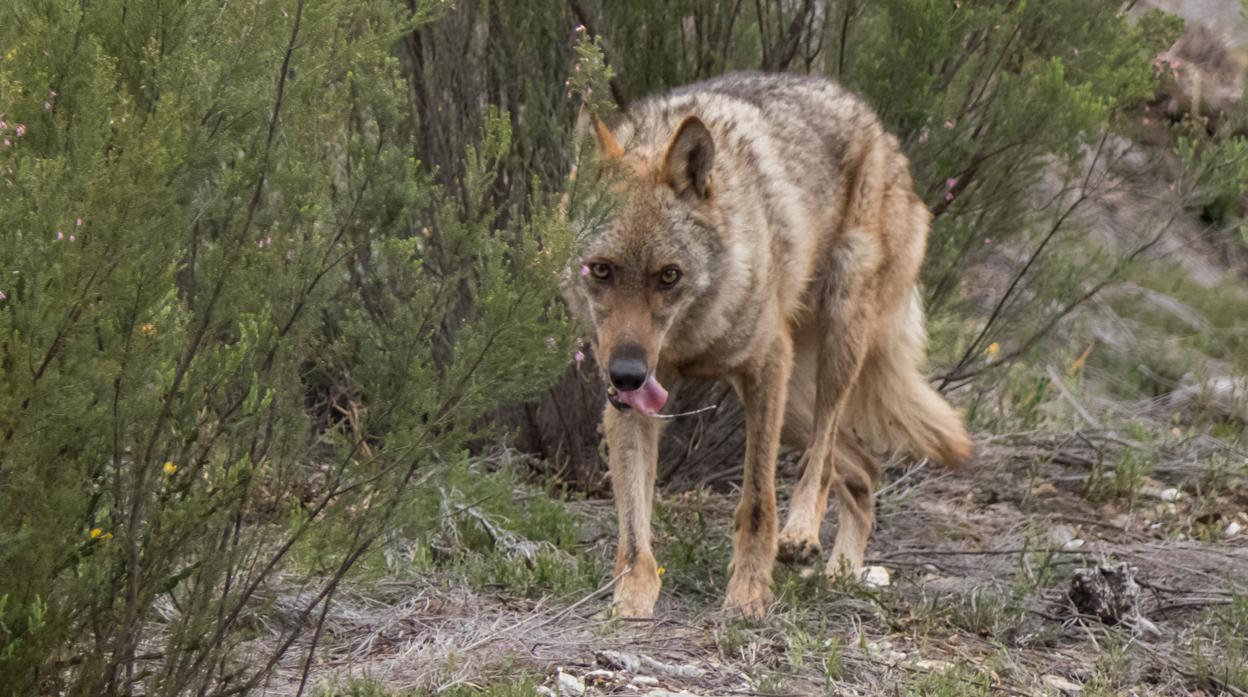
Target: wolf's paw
798	553
635	595
750	597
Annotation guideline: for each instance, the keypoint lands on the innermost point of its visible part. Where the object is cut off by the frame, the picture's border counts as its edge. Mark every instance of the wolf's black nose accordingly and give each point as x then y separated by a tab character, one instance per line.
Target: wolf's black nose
628	368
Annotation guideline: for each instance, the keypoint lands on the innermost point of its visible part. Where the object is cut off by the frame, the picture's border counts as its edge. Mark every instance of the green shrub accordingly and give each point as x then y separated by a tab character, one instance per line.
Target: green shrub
240	316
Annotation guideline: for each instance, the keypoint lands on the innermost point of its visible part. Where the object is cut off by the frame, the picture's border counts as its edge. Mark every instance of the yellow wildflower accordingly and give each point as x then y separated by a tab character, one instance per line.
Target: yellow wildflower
10	54
993	349
95	533
147	329
1080	361
662	570
170	468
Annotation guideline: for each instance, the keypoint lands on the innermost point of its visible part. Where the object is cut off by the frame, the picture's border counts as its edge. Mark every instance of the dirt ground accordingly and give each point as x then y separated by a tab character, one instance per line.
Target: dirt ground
981	564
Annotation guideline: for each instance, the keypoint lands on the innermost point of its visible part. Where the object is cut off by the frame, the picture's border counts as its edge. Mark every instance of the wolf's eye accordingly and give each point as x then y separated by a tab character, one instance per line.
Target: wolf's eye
601	271
668	277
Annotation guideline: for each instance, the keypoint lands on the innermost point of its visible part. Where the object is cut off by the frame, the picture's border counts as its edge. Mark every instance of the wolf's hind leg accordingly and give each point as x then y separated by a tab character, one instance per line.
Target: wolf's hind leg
850	471
799	540
633	441
858	473
838	349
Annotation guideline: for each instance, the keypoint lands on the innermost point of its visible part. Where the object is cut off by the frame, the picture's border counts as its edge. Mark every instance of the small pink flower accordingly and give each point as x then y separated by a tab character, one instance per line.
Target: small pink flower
987	240
580	28
52	94
4	125
950	123
8	143
20	129
1146	120
72	238
59	235
584	270
948	196
3	297
47	106
951	182
78	222
923	136
579	356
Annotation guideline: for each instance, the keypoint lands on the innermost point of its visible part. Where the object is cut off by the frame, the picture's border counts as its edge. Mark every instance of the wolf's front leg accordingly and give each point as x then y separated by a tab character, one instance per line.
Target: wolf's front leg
633	442
762	387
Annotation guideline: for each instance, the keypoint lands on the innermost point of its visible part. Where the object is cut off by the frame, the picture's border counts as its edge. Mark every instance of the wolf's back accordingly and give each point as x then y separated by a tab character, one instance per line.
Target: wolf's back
804	125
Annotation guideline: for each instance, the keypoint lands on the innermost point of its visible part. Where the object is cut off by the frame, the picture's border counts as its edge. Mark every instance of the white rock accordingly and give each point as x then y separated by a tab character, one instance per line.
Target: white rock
876	576
680	671
1063	685
1073	544
569	685
1061	535
1232	529
933	666
1170	495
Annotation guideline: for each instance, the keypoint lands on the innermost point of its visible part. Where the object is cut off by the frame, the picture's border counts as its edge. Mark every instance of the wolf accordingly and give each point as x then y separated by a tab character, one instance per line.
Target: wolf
765	232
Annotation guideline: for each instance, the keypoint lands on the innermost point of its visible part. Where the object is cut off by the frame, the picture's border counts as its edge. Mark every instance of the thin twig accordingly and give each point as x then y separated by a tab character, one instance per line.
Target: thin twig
553	618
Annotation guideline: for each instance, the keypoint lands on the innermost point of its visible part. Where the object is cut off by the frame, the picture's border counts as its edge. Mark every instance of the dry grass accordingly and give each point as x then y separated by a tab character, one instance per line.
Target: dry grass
981	562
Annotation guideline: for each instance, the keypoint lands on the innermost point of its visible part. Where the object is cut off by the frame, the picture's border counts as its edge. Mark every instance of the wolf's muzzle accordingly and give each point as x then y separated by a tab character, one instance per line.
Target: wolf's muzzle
627	369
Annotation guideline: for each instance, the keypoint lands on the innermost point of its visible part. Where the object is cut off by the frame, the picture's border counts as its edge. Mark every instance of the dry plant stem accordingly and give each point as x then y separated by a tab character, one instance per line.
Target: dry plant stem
1070	398
553	618
974	348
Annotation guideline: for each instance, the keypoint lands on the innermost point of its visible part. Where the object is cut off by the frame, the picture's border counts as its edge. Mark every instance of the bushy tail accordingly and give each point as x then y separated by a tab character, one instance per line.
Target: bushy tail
893	406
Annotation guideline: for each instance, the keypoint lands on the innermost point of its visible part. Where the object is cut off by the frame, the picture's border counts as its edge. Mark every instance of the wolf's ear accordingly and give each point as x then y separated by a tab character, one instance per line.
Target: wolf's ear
689	159
608	147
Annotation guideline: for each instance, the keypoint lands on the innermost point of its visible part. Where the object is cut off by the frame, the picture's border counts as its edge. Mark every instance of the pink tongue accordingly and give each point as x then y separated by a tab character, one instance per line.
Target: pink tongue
647	399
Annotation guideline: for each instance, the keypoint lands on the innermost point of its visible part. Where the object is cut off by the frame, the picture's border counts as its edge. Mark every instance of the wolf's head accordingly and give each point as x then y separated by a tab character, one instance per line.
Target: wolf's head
651	267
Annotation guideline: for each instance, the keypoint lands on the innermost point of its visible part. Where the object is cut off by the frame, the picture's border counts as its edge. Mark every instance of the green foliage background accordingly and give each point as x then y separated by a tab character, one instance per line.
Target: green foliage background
241	314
